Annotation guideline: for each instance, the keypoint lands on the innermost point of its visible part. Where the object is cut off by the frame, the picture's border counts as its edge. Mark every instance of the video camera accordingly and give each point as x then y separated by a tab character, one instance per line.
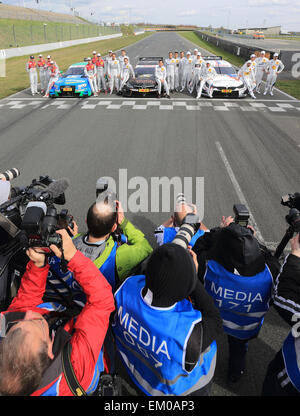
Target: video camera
241	214
28	219
293	219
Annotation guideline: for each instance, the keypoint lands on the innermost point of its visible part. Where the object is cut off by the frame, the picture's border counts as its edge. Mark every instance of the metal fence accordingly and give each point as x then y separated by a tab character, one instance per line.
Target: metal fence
19	34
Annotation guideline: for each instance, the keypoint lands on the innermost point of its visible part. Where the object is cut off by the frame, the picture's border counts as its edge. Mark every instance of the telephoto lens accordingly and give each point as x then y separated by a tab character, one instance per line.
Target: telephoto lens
10	174
186	232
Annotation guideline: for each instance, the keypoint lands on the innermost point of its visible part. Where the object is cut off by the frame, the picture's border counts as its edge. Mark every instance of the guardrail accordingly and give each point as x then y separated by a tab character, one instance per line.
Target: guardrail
290	58
34	49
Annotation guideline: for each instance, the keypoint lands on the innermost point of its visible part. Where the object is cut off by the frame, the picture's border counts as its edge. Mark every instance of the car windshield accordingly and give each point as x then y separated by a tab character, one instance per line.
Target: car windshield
144	72
75	70
225	70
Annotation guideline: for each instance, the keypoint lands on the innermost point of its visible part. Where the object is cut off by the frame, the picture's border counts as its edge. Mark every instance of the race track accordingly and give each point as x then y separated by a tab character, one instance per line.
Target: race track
246	150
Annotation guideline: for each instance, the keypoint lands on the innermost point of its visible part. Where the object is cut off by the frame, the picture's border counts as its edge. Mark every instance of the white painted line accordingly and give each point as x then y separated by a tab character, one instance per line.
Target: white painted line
248	108
88	106
277	109
113	107
179	104
284	105
239	192
166	107
17	106
193	107
221	108
153	103
64	106
128	102
104	102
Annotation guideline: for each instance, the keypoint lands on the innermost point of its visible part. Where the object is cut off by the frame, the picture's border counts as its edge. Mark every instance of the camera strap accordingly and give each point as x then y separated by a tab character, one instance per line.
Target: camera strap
69	374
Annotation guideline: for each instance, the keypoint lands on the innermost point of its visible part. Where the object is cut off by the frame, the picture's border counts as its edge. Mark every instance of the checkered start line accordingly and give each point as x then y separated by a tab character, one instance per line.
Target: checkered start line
271	106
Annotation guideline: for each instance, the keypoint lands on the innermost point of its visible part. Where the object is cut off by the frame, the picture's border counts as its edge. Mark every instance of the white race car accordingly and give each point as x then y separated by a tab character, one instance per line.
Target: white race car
227	82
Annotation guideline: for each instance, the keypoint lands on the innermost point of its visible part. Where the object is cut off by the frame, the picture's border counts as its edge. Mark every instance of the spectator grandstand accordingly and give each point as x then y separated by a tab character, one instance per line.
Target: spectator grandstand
24	13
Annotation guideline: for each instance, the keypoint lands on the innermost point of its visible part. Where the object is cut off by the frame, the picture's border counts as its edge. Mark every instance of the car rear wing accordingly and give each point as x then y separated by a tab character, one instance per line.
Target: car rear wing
150	58
212	58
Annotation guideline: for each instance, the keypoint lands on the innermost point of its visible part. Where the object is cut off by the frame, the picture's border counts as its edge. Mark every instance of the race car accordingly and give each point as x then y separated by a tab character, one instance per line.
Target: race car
143	82
227	82
72	83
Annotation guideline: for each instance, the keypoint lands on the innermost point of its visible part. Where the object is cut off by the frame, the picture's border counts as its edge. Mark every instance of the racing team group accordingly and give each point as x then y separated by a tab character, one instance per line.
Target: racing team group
178	72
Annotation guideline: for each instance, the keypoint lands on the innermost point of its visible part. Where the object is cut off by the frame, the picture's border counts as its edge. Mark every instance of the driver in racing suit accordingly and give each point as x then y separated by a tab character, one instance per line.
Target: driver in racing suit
274	67
54	75
261	63
247	74
197	66
187	64
170	68
161	78
207	74
100	73
113	72
126	72
90	72
177	78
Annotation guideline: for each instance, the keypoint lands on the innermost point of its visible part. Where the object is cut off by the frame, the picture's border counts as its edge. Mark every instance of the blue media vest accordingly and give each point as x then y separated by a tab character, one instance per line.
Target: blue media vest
242	300
170	233
291	356
152	343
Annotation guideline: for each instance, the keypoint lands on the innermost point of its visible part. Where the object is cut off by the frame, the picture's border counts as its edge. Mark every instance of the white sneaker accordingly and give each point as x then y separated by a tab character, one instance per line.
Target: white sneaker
271	93
265	93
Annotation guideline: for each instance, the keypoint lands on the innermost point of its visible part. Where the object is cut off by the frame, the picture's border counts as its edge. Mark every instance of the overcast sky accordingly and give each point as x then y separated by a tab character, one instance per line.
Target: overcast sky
245	13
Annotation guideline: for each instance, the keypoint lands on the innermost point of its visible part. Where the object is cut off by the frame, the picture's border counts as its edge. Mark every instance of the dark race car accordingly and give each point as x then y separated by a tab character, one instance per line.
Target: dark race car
143	83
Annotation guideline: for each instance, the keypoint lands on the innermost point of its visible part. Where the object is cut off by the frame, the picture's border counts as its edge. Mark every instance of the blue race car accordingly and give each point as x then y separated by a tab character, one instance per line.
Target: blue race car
72	83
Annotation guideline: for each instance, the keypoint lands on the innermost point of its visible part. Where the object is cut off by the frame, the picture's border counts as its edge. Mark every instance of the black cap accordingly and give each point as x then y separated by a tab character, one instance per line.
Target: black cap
170	275
32	57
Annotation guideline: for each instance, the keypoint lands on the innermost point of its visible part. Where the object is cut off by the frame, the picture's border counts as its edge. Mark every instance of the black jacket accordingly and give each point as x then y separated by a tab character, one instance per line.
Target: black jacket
235	248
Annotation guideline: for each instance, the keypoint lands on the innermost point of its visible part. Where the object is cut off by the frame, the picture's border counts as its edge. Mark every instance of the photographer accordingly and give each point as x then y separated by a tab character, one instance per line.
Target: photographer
114	253
166	232
30	358
165	327
283	374
238	273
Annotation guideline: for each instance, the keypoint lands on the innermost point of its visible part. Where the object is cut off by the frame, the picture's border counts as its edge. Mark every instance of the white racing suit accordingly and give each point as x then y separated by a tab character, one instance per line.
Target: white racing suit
43	74
161	75
170	69
196	71
177	74
113	72
54	75
100	64
187	65
33	76
126	72
274	67
121	60
247	74
206	75
91	73
260	70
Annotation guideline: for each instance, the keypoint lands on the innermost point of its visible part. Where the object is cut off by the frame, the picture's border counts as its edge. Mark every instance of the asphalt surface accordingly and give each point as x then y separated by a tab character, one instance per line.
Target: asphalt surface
275	45
246	150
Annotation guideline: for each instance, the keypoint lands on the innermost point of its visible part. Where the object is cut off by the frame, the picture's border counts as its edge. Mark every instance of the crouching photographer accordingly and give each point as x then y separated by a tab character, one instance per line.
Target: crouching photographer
36	361
238	273
166	324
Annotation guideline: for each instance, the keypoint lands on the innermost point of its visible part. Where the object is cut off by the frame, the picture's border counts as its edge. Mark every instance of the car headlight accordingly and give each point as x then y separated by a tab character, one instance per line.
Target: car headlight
81	86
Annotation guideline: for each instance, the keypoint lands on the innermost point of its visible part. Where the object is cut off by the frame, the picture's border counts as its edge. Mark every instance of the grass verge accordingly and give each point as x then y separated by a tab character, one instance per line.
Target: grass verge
291	87
17	78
